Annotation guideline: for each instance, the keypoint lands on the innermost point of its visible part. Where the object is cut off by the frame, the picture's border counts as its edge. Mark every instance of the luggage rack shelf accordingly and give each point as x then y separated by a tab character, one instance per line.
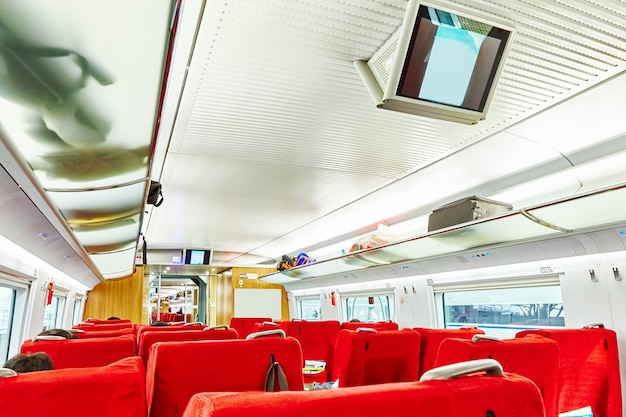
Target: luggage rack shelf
533	223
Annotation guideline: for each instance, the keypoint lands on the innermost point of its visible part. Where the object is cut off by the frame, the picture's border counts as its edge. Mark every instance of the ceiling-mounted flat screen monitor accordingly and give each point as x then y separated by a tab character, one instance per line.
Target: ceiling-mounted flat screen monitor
440	64
197	257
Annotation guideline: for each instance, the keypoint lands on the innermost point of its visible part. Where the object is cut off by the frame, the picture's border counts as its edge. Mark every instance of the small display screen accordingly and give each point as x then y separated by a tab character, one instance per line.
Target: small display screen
197	257
451	59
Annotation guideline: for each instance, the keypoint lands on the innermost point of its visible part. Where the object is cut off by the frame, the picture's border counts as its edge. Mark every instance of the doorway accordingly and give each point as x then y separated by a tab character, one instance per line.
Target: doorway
178	299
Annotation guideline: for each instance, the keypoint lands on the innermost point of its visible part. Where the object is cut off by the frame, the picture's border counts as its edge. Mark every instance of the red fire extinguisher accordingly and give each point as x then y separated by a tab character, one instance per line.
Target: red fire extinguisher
50	292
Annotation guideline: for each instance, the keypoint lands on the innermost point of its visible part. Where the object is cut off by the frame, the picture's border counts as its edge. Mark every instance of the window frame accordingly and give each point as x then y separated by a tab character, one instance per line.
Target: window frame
78	302
439	289
22	288
59	314
393	307
308	297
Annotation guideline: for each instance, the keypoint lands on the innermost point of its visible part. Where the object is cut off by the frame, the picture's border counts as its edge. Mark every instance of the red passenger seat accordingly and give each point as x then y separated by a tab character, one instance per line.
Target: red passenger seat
178	370
378	325
143	328
82	353
245	325
93	327
366	356
116	390
535	357
432	338
85	334
264	326
150	338
317	339
509	395
116	321
589	369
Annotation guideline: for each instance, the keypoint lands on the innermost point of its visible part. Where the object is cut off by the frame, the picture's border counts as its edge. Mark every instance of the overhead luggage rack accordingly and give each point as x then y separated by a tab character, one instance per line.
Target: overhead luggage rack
591	211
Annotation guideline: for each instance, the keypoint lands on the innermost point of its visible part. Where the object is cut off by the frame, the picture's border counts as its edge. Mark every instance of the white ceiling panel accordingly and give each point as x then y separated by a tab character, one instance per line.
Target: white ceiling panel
276	140
268	139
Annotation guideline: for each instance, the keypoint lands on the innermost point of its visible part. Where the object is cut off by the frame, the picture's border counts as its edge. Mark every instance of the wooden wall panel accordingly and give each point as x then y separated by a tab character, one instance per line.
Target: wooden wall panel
223	300
126	298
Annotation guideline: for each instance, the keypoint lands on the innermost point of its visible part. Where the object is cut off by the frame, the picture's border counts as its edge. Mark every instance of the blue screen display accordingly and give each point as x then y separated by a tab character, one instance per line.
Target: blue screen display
451	59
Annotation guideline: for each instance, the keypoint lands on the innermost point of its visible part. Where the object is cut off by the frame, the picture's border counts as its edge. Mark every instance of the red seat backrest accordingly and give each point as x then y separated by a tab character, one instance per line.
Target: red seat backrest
116	390
264	326
478	395
141	329
245	325
117	321
535	357
372	357
378	325
317	339
178	370
150	338
432	338
86	334
82	353
589	369
95	327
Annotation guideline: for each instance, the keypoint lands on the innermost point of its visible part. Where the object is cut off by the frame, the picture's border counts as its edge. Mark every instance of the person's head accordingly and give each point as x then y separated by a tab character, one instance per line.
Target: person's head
355	321
113	318
58	332
160	323
24	362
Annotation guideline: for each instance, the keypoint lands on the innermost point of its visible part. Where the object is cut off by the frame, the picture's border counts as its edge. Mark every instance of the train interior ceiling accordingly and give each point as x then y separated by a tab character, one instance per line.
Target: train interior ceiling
266	127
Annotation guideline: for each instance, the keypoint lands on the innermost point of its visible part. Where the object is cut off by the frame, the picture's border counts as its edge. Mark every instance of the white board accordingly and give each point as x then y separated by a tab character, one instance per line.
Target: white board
255	302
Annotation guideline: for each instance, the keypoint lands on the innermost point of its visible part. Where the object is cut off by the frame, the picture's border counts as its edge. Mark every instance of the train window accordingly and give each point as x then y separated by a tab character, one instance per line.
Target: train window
7	307
53	316
368	307
502	312
78	302
310	308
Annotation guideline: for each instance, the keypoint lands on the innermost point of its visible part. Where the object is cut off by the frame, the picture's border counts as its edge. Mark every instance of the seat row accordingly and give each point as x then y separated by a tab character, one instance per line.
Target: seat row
571	367
117	389
97	347
497	394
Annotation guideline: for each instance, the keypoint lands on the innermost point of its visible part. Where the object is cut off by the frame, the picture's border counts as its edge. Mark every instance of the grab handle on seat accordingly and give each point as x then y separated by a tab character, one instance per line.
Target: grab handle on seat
46	337
7	373
490	366
278	332
76	331
193	323
219	326
478	337
366	330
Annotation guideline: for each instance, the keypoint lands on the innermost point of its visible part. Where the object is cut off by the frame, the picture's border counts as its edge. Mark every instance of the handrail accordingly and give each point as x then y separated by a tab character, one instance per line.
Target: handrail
366	330
490	366
478	337
219	326
7	373
278	332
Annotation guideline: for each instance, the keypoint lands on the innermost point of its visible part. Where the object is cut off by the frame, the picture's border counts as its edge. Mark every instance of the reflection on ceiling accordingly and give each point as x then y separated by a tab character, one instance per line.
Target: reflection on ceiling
79	105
